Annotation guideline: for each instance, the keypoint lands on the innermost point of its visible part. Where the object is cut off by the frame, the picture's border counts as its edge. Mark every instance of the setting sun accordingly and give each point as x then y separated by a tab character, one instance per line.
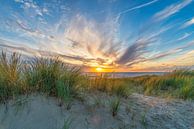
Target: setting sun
98	69
113	63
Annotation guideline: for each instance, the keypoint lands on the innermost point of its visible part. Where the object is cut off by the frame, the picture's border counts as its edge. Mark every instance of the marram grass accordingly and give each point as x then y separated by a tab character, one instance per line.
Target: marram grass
177	84
55	78
11	82
47	75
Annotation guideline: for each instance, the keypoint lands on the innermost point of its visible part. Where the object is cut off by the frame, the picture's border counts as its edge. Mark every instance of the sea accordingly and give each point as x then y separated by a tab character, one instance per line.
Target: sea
122	74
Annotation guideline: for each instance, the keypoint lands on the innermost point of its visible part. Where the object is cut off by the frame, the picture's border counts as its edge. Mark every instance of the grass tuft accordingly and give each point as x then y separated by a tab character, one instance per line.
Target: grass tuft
115	106
67	123
47	75
11	83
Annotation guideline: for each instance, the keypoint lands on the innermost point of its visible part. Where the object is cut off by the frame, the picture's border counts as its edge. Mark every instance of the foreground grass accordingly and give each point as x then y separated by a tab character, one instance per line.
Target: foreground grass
50	76
55	78
11	82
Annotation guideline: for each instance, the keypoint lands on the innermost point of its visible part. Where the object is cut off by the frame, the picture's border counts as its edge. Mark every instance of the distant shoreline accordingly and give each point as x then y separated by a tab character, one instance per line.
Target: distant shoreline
123	74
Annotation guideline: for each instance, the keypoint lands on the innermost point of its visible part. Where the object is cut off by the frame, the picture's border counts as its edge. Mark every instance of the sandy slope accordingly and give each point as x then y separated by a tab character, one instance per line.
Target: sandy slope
137	111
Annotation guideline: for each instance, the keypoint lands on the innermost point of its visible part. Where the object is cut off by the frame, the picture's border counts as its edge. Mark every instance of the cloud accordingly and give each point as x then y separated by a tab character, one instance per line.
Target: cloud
26	50
186	35
170	10
96	40
14	47
185	60
32	6
188	23
188	45
155	63
82	39
164	54
23	26
171	52
135	51
136	7
78	39
38	34
70	59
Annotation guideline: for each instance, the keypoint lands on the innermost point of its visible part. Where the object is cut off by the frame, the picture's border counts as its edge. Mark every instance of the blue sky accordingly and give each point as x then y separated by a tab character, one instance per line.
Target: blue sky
117	35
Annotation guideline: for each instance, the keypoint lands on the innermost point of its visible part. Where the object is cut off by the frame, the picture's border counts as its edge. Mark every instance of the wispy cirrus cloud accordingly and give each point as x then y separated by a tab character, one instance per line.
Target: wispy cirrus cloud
170	10
28	51
186	35
188	23
185	60
135	8
172	51
138	7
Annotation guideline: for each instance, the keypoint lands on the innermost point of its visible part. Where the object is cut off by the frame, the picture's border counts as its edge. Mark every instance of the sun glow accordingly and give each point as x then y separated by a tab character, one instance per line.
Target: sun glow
98	69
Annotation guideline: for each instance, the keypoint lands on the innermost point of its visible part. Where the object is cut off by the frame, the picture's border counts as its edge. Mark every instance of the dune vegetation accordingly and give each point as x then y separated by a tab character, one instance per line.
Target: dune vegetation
100	96
176	84
49	76
55	78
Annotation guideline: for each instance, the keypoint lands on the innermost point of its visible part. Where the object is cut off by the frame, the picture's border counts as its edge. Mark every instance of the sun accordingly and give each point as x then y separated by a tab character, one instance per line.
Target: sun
98	69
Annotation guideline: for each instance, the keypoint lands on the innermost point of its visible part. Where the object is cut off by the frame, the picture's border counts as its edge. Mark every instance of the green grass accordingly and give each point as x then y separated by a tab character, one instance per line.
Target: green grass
11	83
67	123
178	84
51	76
121	87
143	120
47	75
115	106
66	82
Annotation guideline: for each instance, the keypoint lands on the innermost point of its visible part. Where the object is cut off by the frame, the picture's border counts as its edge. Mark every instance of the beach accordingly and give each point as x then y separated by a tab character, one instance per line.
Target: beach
136	112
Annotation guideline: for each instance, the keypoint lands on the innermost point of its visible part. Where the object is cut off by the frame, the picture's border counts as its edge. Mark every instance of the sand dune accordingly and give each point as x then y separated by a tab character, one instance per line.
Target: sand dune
137	111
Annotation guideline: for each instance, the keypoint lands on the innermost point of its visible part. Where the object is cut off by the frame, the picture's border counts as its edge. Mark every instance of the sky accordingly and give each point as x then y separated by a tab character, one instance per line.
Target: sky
113	35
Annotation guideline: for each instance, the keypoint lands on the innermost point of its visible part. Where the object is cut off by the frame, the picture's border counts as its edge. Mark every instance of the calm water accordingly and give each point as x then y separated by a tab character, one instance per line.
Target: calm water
124	74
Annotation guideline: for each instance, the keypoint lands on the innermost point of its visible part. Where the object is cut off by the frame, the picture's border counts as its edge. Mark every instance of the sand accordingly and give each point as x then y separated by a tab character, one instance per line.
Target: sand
136	112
